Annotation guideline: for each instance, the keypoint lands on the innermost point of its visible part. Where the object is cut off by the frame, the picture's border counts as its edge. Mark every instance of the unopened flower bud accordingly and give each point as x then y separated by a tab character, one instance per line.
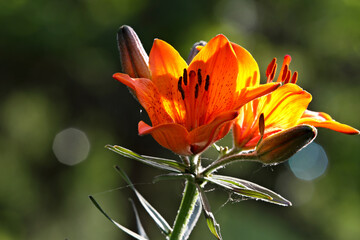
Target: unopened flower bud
281	146
134	59
194	51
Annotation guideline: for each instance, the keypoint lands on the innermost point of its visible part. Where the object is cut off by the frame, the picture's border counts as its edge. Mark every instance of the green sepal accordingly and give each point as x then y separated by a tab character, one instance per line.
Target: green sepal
154	214
124	229
248	189
161	163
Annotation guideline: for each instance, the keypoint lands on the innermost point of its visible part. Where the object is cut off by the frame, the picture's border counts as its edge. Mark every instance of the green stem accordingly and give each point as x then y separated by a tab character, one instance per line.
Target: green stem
227	159
187	206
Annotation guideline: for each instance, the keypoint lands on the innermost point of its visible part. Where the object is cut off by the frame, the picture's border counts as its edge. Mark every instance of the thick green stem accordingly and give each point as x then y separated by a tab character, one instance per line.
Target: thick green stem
187	206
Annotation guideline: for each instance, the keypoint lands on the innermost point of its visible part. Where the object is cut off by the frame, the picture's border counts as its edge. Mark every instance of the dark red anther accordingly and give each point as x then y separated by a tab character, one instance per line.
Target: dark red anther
199	77
294	77
270	71
287	78
284	73
185	76
207	82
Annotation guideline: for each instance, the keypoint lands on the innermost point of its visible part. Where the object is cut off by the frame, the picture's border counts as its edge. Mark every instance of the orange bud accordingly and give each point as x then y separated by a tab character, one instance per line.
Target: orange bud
282	145
134	59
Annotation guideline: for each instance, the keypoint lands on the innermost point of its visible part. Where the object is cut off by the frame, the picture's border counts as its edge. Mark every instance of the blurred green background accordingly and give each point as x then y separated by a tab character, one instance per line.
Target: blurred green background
56	63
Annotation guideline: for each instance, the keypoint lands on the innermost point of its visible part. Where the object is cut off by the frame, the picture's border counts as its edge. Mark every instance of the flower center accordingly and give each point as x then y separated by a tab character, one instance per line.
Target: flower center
194	95
183	80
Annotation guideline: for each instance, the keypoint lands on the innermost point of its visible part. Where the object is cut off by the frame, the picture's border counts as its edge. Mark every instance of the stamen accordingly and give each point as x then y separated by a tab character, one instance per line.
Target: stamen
270	71
288	75
294	77
181	90
261	124
196	91
199	77
272	76
207	82
185	77
284	73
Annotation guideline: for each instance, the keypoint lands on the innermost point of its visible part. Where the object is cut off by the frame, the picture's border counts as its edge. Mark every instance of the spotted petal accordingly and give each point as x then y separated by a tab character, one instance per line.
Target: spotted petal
171	136
149	97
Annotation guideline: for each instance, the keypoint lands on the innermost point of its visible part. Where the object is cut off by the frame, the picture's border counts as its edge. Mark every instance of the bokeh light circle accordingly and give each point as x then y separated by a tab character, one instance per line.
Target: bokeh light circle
310	163
71	146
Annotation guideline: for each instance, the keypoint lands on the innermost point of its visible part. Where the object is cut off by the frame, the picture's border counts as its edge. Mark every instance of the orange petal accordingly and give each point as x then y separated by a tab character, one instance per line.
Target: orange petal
217	59
148	96
201	137
246	126
285	106
166	67
320	119
282	109
248	75
246	123
250	93
171	136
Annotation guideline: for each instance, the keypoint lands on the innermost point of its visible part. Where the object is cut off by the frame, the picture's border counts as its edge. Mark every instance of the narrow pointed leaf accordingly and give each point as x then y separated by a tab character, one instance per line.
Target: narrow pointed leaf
124	229
140	227
210	219
155	215
193	219
174	176
248	189
161	163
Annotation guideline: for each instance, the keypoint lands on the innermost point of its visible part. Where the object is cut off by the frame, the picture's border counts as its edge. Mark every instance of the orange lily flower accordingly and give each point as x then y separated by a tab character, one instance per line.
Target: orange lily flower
284	108
191	107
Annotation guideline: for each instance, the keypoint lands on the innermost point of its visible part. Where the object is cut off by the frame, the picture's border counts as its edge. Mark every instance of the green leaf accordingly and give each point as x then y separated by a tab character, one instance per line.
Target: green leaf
174	176
140	228
193	219
210	219
124	229
248	189
161	163
155	215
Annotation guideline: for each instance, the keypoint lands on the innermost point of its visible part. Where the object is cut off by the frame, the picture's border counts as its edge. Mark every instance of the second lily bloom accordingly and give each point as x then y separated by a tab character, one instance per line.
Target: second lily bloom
283	109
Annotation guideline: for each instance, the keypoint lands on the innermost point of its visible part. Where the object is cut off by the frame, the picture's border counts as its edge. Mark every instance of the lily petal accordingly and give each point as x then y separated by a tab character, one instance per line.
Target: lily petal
148	96
166	67
282	109
285	106
250	93
321	119
201	137
171	136
249	74
218	61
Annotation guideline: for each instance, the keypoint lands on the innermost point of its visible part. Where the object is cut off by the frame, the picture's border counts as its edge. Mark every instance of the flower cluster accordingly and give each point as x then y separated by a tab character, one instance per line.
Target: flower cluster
193	104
